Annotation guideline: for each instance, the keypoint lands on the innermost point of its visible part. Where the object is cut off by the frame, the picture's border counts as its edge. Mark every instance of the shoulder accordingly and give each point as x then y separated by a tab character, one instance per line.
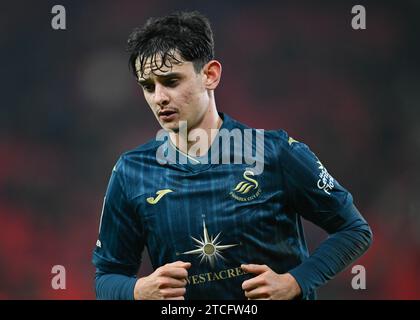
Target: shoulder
277	137
286	144
137	157
278	144
141	152
145	149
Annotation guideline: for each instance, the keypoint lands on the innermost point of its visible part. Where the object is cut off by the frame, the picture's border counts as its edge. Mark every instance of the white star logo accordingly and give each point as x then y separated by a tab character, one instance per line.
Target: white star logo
208	249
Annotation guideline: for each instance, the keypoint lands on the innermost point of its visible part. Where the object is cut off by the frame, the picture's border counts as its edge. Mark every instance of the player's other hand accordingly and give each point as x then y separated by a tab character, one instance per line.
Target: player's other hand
166	282
269	285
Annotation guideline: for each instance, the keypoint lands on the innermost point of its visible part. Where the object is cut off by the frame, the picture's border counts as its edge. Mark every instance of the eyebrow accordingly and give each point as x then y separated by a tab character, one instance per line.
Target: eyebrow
162	76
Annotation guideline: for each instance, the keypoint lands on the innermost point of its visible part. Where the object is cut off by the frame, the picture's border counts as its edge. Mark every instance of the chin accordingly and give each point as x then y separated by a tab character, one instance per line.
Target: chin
172	127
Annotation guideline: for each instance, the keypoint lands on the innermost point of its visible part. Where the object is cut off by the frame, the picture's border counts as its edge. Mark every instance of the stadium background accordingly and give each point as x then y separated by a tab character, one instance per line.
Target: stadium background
69	107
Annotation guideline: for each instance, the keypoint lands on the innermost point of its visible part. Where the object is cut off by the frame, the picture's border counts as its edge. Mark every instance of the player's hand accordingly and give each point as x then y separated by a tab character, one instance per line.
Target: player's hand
166	282
268	284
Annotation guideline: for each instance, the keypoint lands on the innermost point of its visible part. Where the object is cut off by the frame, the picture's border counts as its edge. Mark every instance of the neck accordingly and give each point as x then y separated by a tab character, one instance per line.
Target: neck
196	141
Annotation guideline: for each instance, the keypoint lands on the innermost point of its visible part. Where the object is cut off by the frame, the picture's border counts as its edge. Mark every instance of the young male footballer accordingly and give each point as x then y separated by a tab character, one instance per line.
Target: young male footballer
217	204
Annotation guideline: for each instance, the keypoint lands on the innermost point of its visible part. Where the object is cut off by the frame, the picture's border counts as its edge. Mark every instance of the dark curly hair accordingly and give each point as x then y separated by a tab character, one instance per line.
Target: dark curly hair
187	33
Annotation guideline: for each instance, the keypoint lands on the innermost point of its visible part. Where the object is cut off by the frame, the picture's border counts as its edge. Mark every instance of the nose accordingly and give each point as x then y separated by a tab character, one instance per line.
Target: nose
161	97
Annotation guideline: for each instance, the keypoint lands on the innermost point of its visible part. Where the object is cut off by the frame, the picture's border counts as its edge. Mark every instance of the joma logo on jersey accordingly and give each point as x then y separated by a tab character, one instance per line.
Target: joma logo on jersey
247	189
160	194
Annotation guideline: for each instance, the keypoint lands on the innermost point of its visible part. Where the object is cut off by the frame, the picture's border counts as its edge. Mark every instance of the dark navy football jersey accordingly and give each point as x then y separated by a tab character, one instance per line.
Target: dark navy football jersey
219	215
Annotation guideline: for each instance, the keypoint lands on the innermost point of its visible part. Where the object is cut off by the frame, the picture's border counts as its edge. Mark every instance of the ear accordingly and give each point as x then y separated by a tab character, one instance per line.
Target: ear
212	72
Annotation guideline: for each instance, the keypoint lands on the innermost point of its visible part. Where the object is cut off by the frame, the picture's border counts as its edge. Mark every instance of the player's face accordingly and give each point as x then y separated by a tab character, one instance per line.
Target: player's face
175	93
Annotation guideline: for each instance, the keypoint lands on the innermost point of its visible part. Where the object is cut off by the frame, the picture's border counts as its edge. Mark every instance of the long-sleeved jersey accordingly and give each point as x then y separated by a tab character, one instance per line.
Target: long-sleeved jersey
219	215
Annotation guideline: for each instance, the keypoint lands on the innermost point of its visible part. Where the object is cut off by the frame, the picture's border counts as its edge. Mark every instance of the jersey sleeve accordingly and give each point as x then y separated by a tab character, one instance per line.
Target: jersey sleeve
121	234
311	190
314	194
